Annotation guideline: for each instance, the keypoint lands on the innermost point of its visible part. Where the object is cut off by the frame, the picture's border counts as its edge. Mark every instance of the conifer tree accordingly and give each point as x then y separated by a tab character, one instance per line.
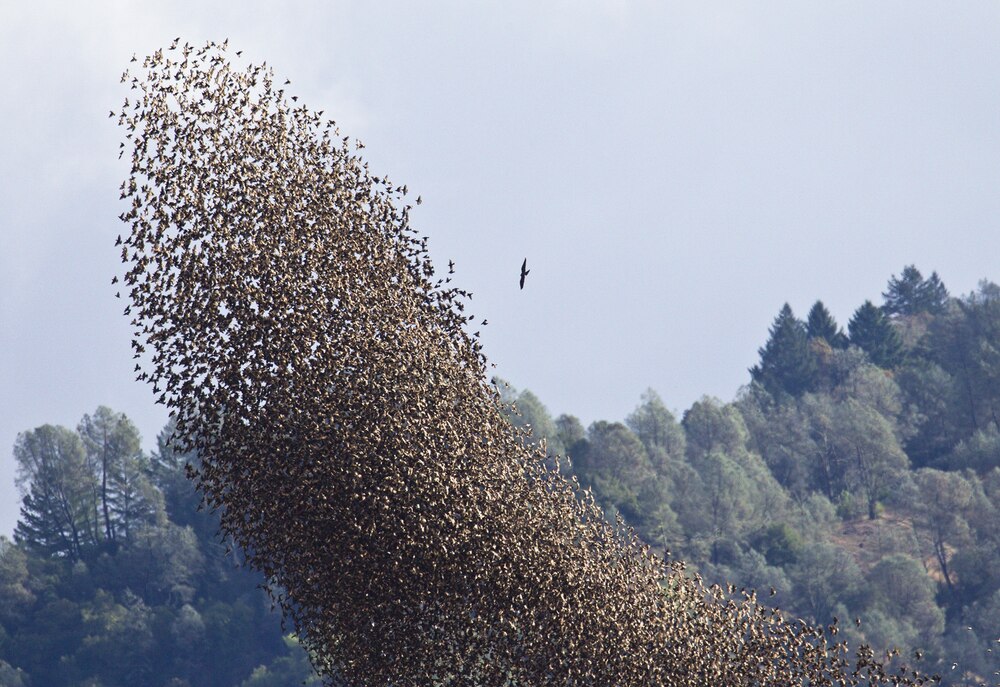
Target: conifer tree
821	325
911	294
117	465
787	366
58	516
871	331
935	295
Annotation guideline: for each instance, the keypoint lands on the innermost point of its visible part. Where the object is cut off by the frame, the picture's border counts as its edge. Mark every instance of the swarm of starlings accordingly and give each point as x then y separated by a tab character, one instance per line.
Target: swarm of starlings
289	317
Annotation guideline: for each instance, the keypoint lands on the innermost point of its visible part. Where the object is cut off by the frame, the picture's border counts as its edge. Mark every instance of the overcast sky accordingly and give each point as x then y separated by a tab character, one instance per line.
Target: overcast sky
673	172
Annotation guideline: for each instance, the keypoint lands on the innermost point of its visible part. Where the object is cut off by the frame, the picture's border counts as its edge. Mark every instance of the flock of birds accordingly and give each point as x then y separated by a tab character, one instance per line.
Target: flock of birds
289	317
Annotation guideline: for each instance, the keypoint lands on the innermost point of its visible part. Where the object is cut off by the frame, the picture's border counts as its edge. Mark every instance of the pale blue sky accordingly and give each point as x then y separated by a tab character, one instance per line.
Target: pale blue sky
673	172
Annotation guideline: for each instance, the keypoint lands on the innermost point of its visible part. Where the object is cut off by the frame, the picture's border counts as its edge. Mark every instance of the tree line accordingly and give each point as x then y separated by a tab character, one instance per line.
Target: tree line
115	577
857	476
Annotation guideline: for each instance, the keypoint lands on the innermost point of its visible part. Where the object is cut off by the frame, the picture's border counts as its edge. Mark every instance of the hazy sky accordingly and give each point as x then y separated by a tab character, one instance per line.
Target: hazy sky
673	172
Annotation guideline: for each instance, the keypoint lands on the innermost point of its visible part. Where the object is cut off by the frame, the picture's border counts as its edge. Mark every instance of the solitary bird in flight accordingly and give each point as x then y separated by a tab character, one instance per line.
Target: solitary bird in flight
524	271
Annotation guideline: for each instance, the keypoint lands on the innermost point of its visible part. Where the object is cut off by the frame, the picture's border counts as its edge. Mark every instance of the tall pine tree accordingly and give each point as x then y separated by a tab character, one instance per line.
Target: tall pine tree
911	294
787	366
821	325
57	512
872	331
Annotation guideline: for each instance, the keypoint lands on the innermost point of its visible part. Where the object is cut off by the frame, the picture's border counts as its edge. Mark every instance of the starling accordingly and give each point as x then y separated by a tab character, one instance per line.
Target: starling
349	437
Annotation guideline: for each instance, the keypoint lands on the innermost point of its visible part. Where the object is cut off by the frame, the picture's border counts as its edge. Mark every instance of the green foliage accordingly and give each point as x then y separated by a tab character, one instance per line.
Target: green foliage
57	513
823	577
944	500
125	499
15	595
952	382
12	677
526	411
786	362
711	426
901	589
867	452
657	429
853	439
821	325
873	332
85	491
910	294
940	411
782	435
980	452
779	543
153	602
570	432
290	670
744	492
615	464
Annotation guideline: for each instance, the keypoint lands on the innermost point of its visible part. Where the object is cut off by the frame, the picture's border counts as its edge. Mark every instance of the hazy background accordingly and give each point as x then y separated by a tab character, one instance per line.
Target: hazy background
673	172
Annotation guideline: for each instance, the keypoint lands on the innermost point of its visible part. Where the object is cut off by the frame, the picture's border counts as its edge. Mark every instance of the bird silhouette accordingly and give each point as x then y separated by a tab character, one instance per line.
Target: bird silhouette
524	271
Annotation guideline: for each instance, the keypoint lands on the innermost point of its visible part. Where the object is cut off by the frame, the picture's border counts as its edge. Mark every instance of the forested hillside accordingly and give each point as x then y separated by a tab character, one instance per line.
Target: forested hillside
857	476
116	578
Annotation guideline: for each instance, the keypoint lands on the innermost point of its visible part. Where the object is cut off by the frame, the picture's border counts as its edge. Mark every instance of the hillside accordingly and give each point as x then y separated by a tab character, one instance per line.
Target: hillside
857	476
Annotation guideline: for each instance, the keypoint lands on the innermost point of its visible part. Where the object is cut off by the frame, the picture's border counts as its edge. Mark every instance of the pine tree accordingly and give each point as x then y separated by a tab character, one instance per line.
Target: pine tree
872	331
58	516
935	295
911	294
786	363
821	325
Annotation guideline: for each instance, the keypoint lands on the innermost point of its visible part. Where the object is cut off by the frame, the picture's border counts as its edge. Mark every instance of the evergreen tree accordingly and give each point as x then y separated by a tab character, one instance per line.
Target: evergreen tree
911	294
123	494
821	325
786	363
935	295
871	331
57	513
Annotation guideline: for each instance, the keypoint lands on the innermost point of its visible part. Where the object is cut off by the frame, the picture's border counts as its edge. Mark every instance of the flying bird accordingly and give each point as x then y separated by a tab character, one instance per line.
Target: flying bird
435	373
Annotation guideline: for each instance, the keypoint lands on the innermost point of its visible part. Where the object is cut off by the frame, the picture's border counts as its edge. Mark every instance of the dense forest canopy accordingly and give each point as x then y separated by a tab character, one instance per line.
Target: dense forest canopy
116	577
857	491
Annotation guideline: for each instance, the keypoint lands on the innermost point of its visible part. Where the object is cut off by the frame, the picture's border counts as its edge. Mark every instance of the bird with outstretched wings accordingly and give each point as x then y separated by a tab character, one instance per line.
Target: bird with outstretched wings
524	271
